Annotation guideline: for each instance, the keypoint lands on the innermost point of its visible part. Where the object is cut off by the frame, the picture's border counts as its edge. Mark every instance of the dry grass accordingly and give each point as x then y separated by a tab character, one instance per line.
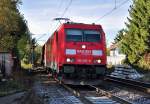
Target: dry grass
26	66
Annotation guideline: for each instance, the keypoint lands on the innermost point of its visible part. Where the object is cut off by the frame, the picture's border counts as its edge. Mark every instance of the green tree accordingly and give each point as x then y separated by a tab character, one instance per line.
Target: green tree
8	24
12	24
38	54
108	51
135	42
24	47
14	33
120	35
36	51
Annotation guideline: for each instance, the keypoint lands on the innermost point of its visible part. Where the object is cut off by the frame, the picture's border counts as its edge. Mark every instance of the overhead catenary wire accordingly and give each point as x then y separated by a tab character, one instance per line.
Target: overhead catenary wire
59	6
57	11
42	35
66	9
64	12
69	4
108	13
115	4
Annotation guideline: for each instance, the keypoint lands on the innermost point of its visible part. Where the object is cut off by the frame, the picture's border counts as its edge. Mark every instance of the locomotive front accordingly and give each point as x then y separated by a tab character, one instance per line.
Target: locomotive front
85	51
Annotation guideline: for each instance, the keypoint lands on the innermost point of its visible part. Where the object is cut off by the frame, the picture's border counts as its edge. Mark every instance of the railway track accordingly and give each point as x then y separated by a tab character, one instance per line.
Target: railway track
111	95
54	93
96	96
131	95
50	92
145	87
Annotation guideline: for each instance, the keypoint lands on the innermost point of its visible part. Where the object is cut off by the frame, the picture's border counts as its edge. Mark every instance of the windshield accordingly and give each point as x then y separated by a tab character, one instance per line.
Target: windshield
74	35
91	36
82	35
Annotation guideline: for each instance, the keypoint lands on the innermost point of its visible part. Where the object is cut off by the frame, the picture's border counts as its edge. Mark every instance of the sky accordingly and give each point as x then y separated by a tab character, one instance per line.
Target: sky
40	14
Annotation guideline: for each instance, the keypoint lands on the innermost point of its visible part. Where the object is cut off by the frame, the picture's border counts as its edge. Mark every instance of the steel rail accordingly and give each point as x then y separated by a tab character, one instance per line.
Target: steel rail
77	94
97	90
74	92
109	95
145	87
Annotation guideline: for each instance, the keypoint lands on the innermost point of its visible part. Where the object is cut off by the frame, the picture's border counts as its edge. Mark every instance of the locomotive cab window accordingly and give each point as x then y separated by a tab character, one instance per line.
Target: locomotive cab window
77	35
74	35
91	36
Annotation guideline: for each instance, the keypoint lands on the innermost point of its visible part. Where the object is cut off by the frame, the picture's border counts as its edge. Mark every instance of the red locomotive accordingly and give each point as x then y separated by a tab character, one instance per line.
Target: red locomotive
76	53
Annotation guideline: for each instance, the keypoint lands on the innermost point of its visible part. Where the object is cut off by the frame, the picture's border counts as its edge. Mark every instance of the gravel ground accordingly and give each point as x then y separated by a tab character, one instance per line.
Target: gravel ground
47	91
145	78
12	99
132	95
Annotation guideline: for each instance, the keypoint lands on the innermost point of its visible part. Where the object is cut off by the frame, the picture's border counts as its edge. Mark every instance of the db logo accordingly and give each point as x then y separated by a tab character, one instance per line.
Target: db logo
84	52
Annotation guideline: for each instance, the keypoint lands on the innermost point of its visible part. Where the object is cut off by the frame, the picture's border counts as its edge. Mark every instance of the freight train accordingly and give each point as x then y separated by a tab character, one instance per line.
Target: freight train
76	53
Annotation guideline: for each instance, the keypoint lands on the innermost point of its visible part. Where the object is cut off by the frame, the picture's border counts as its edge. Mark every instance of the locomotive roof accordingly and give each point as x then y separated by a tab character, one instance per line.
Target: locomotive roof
73	24
76	25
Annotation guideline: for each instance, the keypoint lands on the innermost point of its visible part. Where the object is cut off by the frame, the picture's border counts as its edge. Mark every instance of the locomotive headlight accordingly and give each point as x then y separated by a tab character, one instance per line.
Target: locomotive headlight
98	61
68	60
83	46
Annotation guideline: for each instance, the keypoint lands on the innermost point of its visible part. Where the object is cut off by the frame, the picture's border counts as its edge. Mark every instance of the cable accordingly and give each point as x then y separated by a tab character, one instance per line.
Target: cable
59	6
42	35
108	13
115	4
66	9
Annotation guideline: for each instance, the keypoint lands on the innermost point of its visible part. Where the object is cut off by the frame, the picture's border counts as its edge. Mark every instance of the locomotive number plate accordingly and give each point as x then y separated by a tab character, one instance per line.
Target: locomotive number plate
84	52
